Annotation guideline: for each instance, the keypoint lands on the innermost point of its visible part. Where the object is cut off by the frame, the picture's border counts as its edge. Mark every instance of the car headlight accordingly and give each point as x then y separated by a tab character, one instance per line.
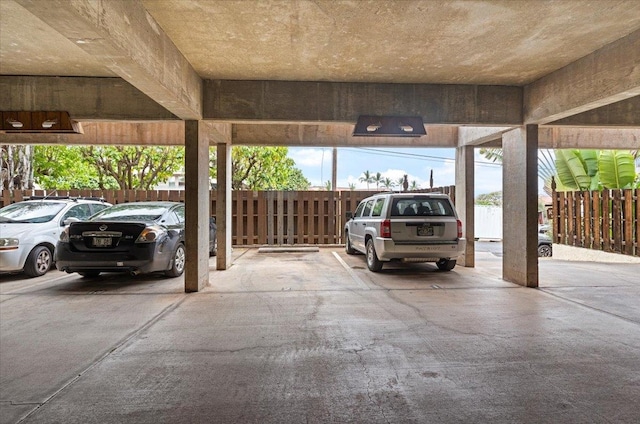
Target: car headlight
9	243
150	234
64	235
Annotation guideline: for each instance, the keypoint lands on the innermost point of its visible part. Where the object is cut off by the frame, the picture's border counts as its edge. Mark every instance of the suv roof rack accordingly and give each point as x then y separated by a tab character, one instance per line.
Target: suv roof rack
100	199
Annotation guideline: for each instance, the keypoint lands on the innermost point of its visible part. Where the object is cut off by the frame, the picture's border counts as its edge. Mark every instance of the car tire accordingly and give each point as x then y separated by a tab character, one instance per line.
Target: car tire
446	264
89	274
178	261
347	245
373	263
38	262
545	251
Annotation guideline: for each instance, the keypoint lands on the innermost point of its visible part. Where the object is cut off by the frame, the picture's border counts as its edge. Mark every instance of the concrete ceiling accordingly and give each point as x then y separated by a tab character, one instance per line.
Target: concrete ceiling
169	59
442	42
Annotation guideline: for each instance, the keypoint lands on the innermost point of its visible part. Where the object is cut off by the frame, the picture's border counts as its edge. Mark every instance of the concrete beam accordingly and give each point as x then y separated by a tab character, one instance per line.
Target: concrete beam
335	135
126	38
606	76
313	102
126	133
620	114
558	137
587	138
478	136
92	99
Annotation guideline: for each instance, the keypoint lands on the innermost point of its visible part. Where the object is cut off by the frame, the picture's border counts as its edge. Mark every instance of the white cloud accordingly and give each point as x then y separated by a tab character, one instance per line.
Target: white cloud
311	157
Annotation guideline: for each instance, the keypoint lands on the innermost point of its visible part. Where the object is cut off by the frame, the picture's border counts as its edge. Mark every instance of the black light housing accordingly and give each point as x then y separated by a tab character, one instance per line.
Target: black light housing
389	126
57	122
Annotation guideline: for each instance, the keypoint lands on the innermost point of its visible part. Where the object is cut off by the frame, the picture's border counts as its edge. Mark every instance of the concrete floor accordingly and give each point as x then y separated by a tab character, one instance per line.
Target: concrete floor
315	337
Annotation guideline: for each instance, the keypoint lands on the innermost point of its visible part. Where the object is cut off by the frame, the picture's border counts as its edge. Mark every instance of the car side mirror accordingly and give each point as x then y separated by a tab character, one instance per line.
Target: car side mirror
349	215
70	220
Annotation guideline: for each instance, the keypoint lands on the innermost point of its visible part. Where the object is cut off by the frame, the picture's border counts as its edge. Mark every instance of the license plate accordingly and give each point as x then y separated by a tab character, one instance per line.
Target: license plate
101	241
425	230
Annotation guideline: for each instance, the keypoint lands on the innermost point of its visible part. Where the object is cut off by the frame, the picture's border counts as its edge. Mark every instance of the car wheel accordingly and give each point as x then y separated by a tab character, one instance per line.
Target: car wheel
545	251
446	264
38	262
89	274
178	262
347	245
373	263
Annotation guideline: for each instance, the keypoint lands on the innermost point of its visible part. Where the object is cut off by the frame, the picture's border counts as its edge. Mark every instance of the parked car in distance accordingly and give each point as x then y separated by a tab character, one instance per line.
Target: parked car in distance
545	245
29	230
136	237
544	228
409	227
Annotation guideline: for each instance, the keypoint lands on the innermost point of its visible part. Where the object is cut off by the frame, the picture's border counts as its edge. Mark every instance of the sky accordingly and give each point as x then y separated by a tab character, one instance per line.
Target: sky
393	163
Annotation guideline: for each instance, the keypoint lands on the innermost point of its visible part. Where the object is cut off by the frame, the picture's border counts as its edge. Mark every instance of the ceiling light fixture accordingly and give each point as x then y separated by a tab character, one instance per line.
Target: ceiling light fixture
389	126
49	123
14	123
26	121
406	128
374	127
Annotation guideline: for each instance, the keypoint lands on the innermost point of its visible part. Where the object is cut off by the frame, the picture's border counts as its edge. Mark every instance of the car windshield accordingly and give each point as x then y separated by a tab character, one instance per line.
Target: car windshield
30	212
421	206
130	212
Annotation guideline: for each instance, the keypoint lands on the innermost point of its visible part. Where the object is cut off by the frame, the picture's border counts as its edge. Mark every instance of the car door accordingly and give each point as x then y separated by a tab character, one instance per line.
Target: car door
360	224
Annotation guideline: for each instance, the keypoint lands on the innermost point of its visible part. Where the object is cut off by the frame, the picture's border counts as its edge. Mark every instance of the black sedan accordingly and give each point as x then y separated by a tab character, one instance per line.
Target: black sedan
137	237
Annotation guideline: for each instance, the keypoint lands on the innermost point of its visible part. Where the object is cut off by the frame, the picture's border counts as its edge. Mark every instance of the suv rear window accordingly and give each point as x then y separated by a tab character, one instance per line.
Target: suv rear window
421	206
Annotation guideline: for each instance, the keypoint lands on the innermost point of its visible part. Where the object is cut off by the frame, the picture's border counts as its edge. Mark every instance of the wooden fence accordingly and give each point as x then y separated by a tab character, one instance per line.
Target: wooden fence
607	220
258	217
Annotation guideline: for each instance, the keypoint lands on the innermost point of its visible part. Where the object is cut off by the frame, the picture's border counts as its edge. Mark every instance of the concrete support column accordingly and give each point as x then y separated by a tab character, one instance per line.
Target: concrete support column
465	189
520	206
223	206
197	208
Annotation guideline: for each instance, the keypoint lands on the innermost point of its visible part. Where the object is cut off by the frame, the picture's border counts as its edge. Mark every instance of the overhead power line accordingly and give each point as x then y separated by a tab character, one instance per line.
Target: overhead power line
382	152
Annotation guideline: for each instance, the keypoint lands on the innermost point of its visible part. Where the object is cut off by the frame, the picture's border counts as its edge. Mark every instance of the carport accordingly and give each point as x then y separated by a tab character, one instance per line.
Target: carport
523	75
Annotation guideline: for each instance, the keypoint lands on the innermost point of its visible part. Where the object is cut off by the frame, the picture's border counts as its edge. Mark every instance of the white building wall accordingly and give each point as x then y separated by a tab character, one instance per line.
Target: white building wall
488	222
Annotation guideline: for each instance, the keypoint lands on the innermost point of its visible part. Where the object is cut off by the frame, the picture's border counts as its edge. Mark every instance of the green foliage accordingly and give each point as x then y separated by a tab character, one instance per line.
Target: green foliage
262	168
105	167
377	179
595	169
134	167
367	177
617	169
63	167
572	170
494	154
584	169
490	199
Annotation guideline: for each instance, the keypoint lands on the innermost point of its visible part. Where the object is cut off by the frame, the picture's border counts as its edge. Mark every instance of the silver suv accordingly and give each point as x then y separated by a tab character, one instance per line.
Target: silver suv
411	227
29	230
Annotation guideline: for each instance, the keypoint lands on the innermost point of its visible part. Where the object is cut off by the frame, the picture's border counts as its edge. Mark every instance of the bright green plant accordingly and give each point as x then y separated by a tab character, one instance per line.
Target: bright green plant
595	169
262	168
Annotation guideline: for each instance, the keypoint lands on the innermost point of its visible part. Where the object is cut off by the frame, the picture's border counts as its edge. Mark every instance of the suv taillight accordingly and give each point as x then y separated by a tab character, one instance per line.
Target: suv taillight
385	229
459	229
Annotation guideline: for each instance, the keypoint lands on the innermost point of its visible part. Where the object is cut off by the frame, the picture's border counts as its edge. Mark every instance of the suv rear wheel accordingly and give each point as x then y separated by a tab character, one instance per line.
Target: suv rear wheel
38	262
373	263
446	264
